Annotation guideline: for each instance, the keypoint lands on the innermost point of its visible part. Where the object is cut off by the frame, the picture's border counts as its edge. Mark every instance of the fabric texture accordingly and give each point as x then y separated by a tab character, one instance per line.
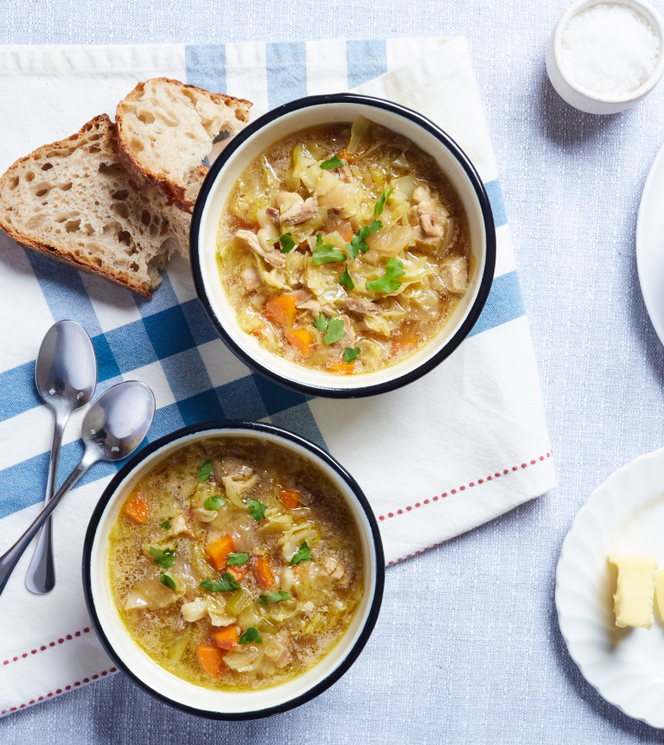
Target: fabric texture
496	669
487	390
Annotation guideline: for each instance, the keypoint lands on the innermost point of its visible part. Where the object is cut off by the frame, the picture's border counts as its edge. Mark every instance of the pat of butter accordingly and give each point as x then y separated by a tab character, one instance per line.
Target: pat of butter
635	590
659	593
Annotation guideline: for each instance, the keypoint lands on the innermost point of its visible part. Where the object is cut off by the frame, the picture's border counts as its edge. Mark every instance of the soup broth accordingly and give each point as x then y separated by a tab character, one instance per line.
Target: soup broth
344	248
235	564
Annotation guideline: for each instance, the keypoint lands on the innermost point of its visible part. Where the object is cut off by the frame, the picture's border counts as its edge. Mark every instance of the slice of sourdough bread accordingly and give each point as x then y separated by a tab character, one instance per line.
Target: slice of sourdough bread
166	128
74	201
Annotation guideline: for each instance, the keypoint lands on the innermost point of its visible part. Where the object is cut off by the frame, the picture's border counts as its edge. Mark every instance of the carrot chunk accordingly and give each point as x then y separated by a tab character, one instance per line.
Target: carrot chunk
239	572
301	339
226	638
211	659
281	311
136	509
341	368
290	498
405	342
345	155
218	551
264	573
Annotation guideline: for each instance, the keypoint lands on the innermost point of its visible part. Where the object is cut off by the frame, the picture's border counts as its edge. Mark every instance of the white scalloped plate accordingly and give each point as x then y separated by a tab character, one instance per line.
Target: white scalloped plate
626	513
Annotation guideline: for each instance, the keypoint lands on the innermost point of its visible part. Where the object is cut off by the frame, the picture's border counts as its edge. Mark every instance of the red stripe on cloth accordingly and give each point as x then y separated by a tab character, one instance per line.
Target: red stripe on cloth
44	647
506	471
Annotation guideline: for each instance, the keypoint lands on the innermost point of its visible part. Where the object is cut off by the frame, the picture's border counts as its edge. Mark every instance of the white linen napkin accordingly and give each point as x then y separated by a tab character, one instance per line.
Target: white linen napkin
436	458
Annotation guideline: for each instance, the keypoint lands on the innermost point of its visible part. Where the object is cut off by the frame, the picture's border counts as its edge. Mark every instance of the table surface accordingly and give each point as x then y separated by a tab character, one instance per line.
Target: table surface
467	648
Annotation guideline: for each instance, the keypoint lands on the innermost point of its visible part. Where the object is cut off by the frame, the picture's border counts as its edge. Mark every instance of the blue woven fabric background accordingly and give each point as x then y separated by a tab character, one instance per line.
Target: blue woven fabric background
470	650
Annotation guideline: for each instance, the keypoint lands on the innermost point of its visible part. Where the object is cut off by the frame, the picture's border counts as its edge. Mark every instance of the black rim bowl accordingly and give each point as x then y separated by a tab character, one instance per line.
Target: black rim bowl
485	283
253	428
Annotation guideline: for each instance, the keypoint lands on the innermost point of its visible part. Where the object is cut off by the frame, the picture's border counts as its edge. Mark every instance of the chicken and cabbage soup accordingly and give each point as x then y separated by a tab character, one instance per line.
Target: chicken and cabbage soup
343	248
235	564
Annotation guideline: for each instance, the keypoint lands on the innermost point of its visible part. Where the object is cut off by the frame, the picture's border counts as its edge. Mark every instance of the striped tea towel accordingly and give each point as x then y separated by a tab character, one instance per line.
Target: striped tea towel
437	458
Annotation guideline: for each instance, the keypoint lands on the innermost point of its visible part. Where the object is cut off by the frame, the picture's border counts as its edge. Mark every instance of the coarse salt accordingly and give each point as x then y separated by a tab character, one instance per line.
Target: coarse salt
609	49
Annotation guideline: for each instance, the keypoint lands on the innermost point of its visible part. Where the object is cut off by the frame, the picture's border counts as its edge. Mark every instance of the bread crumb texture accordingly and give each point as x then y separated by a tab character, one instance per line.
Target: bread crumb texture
166	128
74	201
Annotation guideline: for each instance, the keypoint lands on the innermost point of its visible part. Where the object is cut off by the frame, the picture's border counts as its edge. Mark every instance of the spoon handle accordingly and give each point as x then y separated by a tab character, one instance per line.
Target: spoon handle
9	559
40	578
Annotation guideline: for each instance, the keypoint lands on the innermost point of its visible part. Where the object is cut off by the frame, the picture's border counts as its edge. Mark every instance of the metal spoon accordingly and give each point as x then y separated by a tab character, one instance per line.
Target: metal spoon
66	377
112	429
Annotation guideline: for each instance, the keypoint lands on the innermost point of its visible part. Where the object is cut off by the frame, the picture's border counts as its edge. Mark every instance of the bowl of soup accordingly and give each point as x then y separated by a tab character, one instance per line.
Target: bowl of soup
342	245
233	570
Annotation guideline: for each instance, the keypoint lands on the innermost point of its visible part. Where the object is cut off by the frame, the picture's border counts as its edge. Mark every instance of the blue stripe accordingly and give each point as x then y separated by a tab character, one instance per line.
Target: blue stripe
495	194
286	72
205	66
503	304
64	292
17	391
366	60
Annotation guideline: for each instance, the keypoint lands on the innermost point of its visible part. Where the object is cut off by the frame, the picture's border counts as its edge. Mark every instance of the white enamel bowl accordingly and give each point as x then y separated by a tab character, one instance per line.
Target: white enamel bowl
130	658
308	112
625	513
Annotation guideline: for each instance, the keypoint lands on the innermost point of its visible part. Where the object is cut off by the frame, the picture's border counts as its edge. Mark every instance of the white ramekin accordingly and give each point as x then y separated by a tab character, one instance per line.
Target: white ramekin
579	97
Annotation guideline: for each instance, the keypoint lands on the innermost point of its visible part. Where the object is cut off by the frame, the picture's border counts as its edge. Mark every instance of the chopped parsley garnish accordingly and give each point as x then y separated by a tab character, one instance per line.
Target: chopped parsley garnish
166	525
205	471
359	241
326	253
346	279
321	323
388	282
256	508
214	503
251	635
165	558
333	329
334	162
286	242
274	597
227	583
167	579
235	560
350	355
380	204
302	554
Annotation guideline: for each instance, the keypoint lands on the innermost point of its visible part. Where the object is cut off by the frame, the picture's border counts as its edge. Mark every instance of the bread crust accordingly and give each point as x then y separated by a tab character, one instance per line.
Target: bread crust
175	192
119	276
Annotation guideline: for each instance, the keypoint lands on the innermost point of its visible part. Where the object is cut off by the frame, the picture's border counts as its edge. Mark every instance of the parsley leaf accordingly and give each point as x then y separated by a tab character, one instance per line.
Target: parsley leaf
359	241
166	525
302	554
227	583
388	283
326	253
165	558
251	635
214	503
205	471
256	508
235	560
273	597
380	204
321	323
335	331
346	279
286	242
334	162
350	354
167	579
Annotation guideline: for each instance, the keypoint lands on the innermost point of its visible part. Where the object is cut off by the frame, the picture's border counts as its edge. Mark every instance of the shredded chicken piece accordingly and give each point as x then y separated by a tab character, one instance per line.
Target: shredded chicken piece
429	211
335	569
361	306
251	278
300	212
305	300
284	657
273	214
274	257
179	526
345	173
454	275
349	338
